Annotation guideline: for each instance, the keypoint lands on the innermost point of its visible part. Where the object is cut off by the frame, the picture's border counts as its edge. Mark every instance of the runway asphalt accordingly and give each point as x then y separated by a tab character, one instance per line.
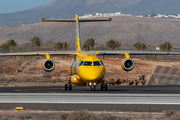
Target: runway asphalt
163	89
123	98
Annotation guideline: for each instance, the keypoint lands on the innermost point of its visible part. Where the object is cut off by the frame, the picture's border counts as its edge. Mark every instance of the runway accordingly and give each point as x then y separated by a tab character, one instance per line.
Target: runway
162	89
84	98
126	98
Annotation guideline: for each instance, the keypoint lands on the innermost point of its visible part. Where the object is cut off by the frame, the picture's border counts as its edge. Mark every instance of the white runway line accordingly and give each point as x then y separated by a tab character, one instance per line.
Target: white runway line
85	98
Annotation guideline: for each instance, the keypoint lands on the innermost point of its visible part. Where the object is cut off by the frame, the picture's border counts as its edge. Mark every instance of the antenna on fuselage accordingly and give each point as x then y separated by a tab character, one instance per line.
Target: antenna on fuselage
77	20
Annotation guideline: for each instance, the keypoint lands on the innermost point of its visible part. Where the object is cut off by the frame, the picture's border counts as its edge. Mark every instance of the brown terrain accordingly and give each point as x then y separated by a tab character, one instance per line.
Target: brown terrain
127	29
28	71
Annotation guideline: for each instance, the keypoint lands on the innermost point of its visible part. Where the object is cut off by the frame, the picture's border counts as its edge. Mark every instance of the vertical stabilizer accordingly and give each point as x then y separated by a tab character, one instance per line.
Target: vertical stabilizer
78	42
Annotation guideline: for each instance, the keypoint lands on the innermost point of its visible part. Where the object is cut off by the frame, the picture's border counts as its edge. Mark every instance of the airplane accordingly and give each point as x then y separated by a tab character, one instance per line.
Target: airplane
86	69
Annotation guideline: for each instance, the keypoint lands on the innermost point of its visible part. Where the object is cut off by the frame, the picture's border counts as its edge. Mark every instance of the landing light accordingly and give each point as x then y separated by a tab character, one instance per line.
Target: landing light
94	83
90	83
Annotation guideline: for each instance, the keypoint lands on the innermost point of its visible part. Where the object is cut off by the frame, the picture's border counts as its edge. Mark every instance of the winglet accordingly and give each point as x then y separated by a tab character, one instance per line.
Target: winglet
43	20
77	16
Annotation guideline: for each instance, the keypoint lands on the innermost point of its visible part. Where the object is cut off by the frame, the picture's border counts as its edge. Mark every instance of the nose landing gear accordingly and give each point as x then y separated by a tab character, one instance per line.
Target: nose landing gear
92	86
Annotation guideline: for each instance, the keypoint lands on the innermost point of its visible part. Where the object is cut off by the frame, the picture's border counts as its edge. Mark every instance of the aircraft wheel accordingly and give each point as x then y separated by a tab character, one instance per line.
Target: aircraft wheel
65	86
94	88
70	87
90	88
101	87
106	88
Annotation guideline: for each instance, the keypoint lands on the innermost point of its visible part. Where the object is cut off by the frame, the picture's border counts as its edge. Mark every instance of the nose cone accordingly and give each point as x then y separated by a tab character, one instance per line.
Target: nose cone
91	73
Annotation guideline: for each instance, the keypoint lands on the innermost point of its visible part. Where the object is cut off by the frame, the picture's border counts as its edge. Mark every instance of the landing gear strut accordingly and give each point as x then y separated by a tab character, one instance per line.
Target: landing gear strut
68	86
104	85
92	87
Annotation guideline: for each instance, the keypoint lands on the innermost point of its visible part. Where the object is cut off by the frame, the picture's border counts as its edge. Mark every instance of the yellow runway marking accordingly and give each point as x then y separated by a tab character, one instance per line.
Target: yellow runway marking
51	92
17	90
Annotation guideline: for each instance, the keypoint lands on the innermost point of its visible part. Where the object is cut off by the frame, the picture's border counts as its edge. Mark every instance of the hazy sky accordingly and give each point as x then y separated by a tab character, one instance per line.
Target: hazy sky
8	6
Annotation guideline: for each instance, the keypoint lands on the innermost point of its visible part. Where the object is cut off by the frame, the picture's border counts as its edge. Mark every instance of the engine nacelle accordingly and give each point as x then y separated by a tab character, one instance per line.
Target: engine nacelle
48	65
127	64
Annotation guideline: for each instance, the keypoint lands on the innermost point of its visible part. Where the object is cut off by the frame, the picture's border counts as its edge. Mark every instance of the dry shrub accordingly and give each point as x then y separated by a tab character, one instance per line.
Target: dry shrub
49	116
63	116
7	117
76	115
58	80
80	115
31	79
172	115
85	115
145	117
15	117
4	85
48	76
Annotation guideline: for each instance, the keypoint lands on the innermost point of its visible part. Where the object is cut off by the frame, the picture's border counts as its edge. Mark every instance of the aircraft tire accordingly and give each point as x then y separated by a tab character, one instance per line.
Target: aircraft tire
106	88
94	88
65	86
101	87
90	88
70	88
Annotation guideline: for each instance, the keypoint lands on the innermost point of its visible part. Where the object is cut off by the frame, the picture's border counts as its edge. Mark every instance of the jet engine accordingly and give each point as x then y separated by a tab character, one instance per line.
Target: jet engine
48	65
127	64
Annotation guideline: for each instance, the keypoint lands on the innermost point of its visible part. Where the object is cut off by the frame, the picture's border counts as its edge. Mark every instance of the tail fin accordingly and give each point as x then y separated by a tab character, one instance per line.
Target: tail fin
78	41
77	20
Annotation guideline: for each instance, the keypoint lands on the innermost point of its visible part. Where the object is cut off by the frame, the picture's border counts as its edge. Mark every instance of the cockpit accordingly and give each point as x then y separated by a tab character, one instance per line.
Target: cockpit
91	63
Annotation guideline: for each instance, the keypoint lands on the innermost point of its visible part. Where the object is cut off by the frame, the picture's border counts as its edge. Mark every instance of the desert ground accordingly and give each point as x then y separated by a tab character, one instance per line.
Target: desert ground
28	71
86	115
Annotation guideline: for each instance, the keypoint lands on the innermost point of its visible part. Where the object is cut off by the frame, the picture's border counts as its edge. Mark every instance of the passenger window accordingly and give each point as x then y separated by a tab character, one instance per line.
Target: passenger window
87	63
102	63
96	63
80	64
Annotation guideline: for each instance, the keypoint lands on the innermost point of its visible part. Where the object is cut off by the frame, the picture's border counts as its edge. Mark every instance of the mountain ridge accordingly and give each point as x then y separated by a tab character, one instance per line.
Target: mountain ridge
68	8
63	9
146	7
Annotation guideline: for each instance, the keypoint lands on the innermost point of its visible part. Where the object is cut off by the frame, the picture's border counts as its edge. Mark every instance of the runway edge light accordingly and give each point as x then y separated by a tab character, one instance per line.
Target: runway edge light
20	108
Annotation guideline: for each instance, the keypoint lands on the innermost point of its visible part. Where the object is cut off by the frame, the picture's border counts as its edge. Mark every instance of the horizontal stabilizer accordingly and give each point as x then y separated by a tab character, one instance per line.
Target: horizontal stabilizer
94	20
74	20
58	20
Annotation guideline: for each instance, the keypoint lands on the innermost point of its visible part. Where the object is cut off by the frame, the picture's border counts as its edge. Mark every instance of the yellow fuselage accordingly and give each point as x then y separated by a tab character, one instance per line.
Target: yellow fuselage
86	68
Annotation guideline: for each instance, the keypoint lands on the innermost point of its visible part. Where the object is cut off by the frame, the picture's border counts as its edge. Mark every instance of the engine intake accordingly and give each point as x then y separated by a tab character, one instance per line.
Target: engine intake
48	65
127	64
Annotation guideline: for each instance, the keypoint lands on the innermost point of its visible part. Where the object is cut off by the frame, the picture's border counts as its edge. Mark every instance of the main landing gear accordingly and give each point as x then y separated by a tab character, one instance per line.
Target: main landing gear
68	86
104	86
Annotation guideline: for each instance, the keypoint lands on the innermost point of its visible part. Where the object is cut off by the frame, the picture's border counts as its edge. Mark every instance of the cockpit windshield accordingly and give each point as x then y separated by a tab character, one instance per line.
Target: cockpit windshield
87	63
96	63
